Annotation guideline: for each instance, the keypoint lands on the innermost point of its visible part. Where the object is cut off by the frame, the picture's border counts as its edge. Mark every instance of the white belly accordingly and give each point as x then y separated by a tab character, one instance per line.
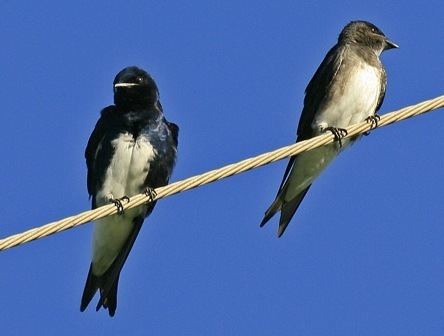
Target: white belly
307	166
125	176
355	102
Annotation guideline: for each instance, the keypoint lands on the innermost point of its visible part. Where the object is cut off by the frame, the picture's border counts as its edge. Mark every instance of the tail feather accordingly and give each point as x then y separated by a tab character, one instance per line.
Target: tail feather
108	298
108	292
90	290
288	210
271	211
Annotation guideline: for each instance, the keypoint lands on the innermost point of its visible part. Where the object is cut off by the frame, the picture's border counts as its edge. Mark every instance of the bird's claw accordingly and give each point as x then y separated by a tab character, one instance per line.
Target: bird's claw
118	203
338	133
373	120
151	193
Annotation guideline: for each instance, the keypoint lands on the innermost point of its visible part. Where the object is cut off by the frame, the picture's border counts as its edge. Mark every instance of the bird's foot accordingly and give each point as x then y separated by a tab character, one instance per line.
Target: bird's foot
118	203
373	120
338	133
151	193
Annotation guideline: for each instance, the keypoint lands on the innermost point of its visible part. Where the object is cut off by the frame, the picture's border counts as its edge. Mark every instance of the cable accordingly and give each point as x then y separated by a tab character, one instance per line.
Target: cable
217	174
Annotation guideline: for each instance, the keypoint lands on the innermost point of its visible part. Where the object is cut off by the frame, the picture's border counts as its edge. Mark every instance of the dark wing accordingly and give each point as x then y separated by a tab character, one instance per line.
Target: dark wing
383	87
174	129
287	171
160	170
289	209
93	146
315	93
317	90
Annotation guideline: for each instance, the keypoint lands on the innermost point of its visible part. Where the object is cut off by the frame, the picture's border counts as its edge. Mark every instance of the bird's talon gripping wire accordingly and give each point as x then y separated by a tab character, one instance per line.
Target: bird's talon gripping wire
118	203
338	133
373	120
151	193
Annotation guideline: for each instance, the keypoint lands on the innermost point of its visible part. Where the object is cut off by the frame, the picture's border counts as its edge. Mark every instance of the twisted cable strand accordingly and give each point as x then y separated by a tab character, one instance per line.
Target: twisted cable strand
217	174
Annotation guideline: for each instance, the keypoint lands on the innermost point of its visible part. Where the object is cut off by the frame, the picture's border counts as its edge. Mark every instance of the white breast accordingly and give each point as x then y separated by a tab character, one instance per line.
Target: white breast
125	176
355	102
128	168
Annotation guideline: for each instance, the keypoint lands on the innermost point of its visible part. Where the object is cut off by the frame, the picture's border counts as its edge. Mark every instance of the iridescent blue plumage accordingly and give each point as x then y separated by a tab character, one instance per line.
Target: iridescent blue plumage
132	148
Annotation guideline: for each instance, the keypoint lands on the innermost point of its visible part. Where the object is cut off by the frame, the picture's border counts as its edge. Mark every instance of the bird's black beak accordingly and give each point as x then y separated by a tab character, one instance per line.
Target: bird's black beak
390	45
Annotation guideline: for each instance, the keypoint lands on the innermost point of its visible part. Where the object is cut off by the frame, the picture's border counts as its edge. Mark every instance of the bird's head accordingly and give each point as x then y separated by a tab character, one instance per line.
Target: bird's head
134	87
366	34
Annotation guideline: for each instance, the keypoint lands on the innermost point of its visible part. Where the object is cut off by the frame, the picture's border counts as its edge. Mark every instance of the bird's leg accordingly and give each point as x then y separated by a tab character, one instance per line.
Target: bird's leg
151	193
338	133
373	120
118	203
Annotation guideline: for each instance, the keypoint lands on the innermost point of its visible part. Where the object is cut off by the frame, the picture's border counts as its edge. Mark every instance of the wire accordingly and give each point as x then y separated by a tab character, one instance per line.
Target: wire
217	174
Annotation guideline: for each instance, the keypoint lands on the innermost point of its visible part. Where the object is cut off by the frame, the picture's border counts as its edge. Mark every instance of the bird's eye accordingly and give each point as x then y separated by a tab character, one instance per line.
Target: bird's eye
140	79
373	30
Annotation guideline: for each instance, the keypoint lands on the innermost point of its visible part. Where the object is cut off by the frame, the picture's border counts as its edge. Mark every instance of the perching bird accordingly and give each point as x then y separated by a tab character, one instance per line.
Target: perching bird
348	87
131	150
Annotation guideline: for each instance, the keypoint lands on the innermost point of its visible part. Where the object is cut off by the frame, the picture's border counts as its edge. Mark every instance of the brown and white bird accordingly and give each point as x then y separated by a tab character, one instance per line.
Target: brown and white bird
347	88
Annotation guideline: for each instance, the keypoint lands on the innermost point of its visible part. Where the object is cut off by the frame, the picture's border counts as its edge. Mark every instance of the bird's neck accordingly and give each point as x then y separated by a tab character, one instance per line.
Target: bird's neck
137	119
369	55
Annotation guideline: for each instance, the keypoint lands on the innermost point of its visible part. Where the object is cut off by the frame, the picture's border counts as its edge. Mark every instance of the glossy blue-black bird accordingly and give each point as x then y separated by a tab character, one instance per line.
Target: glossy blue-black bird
131	150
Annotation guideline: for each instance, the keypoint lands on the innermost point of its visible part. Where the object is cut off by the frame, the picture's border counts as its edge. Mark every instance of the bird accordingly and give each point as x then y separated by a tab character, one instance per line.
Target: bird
131	150
348	87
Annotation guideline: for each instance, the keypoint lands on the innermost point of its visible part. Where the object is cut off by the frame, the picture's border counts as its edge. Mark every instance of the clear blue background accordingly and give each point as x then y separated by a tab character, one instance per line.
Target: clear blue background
364	255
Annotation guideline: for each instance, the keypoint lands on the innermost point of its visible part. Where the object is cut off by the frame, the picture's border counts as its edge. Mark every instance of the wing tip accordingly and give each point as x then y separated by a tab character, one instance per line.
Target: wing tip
90	289
271	211
288	210
281	230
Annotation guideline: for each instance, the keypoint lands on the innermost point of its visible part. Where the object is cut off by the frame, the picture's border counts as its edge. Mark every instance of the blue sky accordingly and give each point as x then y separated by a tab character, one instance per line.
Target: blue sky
363	255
